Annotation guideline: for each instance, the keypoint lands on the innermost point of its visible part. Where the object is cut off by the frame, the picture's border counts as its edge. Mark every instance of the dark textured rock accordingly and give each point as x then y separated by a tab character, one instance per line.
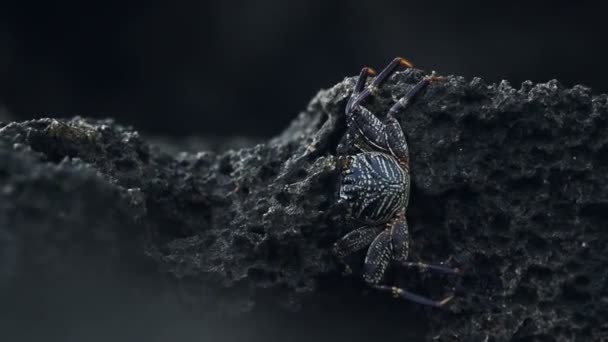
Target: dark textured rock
509	183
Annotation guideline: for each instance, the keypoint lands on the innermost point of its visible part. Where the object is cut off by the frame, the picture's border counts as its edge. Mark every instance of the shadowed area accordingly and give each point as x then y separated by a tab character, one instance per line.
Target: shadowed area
245	67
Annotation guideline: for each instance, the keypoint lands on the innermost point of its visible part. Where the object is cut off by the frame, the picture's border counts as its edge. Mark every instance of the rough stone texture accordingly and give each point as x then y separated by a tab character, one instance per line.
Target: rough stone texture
508	183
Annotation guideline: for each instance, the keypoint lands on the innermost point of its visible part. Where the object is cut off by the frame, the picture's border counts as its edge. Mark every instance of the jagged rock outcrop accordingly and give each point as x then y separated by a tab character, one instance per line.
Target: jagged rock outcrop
510	184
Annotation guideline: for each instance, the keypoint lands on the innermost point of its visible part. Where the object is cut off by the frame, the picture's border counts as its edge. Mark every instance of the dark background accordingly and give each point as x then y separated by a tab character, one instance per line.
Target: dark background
247	68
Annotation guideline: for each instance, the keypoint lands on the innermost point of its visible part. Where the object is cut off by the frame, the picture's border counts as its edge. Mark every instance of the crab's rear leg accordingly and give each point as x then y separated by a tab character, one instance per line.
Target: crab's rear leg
400	237
392	244
423	267
352	242
401	245
404	294
378	258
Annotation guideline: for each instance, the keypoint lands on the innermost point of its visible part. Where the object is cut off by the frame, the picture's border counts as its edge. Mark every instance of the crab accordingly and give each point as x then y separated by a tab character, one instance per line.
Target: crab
376	183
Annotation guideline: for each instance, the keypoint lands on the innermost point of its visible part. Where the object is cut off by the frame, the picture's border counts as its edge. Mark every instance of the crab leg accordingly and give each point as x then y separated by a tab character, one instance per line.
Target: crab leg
377	260
387	137
382	77
422	267
400	238
404	294
405	101
367	71
353	242
367	126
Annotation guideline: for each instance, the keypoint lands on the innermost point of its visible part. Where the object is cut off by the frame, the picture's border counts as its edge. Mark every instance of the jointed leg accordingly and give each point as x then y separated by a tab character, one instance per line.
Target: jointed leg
396	141
353	242
375	133
368	119
379	136
422	267
382	77
404	294
400	238
393	243
367	71
378	258
368	128
329	126
368	125
404	102
394	133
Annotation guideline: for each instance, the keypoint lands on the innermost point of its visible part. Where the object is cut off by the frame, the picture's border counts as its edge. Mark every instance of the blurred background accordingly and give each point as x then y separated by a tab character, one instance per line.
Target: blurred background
247	68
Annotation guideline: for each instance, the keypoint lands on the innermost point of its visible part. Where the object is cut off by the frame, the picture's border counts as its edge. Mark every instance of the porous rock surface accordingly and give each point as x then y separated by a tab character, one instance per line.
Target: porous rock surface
509	184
